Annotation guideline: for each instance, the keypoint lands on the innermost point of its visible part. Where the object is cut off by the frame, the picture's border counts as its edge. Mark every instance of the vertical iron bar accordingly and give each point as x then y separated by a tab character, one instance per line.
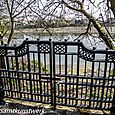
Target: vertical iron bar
69	92
111	92
104	81
37	86
72	65
99	69
2	102
34	82
29	70
99	81
77	79
47	90
91	87
85	68
12	63
73	90
44	63
23	68
112	111
107	91
34	62
8	69
59	63
2	66
66	61
39	67
18	75
53	91
51	54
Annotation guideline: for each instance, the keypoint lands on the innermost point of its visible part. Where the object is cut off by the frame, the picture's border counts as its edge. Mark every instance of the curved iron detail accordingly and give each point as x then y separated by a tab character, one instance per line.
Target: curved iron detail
22	51
111	57
44	48
2	102
2	52
86	54
59	49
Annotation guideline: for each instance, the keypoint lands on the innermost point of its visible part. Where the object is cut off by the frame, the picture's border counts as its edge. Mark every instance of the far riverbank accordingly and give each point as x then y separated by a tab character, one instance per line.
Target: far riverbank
61	30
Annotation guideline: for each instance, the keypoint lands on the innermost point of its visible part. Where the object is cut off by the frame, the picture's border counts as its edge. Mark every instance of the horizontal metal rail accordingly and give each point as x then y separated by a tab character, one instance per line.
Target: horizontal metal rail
58	73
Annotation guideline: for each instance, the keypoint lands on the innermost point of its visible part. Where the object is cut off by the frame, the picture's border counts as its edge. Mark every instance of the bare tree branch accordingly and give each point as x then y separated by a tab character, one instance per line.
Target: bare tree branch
24	8
95	22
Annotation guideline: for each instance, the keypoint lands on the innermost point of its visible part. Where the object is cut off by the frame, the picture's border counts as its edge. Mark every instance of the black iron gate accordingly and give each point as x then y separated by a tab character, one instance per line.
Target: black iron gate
59	73
86	76
26	75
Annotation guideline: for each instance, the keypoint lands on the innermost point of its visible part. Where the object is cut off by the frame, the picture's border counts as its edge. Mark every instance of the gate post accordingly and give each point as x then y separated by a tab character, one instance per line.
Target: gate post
113	101
113	105
2	102
2	65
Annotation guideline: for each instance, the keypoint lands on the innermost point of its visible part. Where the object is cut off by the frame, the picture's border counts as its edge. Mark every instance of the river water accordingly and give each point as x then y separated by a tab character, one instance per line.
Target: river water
89	42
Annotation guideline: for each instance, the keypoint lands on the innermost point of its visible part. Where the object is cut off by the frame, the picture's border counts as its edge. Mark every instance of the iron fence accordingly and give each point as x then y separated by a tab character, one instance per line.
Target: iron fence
58	73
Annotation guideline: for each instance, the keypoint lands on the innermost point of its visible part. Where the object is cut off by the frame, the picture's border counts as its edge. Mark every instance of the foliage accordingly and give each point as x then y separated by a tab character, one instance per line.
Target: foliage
35	64
23	65
4	27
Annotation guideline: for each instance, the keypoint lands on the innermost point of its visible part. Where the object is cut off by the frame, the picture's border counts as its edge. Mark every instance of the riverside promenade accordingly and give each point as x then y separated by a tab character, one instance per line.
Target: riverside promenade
62	30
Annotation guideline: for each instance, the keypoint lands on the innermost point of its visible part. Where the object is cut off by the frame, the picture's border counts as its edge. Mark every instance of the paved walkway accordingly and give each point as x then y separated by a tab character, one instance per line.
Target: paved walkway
61	111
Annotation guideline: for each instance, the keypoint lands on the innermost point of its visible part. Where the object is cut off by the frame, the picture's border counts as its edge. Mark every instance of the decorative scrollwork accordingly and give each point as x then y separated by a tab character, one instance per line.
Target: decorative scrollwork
59	49
22	51
44	48
111	57
86	54
2	52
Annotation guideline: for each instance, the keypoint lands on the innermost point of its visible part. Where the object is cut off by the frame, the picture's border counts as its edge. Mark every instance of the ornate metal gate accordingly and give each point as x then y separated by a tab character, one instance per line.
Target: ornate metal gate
86	76
27	74
59	73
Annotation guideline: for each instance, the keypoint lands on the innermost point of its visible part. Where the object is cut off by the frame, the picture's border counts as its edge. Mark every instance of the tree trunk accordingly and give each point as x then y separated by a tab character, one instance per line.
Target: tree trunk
107	40
12	30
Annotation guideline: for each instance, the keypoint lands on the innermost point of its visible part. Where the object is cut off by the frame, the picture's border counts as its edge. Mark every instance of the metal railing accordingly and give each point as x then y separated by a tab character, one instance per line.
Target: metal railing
58	73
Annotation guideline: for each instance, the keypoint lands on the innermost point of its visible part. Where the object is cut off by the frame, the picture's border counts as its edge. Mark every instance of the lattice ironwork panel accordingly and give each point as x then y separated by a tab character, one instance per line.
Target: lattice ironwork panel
111	57
22	51
2	52
59	49
44	48
86	54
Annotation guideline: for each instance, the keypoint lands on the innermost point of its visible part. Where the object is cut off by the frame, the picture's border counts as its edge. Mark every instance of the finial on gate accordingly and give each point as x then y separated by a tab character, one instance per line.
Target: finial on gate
38	39
78	40
107	48
50	39
4	44
14	45
65	40
94	48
